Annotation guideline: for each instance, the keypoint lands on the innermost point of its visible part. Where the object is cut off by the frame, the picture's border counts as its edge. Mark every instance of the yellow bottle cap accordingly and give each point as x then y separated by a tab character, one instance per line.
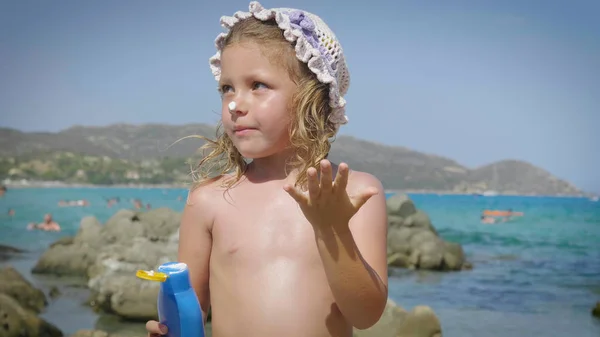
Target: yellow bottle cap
151	275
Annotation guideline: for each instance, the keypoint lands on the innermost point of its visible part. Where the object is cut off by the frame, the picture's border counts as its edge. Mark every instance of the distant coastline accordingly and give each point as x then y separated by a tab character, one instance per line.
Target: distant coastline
60	184
128	155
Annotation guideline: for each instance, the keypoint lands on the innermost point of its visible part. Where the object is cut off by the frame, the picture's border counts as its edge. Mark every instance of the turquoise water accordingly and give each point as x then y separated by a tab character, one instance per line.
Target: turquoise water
539	274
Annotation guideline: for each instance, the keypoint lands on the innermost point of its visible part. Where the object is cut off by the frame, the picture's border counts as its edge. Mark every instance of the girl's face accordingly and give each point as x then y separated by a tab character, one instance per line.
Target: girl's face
262	91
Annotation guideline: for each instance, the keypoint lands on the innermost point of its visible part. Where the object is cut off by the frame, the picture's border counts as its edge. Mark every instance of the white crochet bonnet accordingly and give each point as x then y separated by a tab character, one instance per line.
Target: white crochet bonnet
315	45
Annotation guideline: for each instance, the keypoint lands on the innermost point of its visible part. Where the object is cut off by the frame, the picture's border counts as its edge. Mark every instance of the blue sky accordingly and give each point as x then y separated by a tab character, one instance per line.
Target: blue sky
476	81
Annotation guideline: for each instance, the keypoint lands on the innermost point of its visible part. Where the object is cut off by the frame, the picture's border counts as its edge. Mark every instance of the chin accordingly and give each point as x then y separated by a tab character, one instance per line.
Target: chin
256	148
253	152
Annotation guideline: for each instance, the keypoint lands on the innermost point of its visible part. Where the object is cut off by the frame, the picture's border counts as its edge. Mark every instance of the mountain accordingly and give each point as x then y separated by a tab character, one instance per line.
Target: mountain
123	153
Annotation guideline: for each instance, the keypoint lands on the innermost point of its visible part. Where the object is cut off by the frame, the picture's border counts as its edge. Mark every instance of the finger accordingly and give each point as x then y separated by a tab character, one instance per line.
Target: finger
313	183
326	176
154	328
360	199
341	178
295	193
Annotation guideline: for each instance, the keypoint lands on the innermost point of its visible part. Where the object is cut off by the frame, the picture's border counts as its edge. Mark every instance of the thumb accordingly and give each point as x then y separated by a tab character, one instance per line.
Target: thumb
295	193
360	199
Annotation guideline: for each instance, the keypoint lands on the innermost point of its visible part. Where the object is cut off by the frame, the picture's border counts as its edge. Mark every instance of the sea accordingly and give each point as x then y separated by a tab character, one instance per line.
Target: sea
538	274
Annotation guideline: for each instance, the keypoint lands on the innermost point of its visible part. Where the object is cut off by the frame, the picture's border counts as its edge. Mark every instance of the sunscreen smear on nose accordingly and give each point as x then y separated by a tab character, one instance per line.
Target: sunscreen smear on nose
232	106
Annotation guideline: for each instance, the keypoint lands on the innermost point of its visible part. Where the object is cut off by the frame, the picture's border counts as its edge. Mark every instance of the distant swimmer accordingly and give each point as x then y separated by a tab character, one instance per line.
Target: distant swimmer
137	203
47	225
73	203
508	213
488	219
112	201
496	216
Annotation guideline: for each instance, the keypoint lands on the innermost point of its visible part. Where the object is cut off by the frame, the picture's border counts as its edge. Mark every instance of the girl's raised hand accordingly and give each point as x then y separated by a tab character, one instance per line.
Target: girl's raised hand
326	204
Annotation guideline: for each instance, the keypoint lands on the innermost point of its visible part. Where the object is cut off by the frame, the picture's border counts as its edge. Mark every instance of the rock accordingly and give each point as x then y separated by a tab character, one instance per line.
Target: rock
413	241
395	221
122	227
20	303
421	321
398	260
66	240
420	237
54	292
454	257
397	322
388	323
16	286
93	333
74	256
420	219
596	310
65	260
430	254
160	223
15	321
7	252
398	238
90	231
114	285
108	257
400	205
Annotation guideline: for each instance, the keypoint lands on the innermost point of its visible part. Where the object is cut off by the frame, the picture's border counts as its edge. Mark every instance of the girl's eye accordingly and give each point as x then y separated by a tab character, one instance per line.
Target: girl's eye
225	89
259	85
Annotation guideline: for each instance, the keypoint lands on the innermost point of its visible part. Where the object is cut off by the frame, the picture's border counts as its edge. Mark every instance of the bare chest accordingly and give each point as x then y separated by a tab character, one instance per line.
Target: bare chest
251	230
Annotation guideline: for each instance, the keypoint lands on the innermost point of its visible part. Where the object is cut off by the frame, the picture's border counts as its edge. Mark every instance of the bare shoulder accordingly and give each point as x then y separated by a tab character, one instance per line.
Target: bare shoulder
359	180
373	214
203	192
202	199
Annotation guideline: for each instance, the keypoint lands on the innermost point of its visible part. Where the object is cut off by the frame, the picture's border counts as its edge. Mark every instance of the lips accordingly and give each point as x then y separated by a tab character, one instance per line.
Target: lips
243	131
242	128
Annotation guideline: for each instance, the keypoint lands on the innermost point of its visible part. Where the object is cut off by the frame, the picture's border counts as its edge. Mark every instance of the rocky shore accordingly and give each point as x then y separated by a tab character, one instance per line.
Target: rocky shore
20	305
108	255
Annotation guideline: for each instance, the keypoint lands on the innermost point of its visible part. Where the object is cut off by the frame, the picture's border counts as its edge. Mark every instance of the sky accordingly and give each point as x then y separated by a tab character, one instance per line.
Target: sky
475	81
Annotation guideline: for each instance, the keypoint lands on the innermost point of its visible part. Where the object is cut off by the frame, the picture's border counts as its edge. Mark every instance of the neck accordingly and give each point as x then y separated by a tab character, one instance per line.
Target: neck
274	167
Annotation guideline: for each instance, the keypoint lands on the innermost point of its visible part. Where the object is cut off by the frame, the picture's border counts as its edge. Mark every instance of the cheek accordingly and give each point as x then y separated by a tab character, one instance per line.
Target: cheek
275	110
226	116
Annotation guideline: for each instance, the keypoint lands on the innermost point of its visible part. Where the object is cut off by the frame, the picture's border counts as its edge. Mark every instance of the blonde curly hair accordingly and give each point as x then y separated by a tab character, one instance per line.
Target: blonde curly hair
310	131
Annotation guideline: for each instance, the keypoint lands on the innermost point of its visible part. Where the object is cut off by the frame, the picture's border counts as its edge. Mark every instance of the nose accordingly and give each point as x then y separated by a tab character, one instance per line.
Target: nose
238	106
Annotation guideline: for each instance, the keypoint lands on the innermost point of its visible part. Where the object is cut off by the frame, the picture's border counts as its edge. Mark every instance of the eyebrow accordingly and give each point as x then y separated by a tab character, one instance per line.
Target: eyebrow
222	81
253	74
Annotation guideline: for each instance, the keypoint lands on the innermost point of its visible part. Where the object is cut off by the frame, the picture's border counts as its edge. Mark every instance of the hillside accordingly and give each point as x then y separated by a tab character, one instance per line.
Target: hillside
123	153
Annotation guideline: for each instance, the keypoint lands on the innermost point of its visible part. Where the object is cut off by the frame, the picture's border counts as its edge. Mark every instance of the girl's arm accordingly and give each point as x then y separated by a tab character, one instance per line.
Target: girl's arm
195	243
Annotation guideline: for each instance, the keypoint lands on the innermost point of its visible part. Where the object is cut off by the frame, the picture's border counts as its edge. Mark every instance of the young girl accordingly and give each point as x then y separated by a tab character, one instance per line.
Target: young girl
287	244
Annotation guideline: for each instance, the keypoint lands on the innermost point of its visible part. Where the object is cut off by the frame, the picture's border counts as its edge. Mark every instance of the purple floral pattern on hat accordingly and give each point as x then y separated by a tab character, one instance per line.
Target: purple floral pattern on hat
301	21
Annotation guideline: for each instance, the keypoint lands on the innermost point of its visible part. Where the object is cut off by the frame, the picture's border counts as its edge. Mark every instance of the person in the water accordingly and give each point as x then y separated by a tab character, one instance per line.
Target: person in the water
47	225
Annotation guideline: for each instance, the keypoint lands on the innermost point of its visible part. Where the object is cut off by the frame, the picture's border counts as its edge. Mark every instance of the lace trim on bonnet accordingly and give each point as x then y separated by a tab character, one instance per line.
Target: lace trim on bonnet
316	45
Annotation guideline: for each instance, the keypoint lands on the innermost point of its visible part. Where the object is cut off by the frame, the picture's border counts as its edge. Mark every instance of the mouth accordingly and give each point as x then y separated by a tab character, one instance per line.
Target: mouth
240	130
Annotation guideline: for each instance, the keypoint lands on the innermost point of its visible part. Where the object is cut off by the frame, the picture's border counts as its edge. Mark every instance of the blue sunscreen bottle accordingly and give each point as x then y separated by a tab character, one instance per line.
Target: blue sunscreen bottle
178	305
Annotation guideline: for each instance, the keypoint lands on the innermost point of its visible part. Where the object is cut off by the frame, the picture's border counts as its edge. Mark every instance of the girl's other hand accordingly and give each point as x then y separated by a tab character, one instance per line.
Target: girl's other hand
155	329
